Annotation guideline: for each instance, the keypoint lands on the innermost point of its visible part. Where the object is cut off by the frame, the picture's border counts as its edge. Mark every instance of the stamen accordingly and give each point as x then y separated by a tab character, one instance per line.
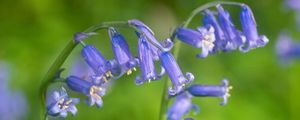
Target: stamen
129	72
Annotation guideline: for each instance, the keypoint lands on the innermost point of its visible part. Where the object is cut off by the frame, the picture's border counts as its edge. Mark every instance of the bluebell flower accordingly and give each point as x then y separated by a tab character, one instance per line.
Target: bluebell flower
146	59
78	68
177	78
122	53
13	104
287	49
220	39
234	37
155	45
93	92
253	40
181	106
221	91
98	63
59	104
202	38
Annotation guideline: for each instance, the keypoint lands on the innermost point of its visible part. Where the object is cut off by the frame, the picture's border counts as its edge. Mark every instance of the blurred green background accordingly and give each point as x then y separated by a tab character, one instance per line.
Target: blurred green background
33	32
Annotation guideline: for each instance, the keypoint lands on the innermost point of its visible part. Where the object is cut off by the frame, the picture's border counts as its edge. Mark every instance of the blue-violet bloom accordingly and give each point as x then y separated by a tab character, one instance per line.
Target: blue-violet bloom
98	63
181	106
146	59
177	78
59	103
221	91
93	92
202	38
122	53
209	20
253	40
234	37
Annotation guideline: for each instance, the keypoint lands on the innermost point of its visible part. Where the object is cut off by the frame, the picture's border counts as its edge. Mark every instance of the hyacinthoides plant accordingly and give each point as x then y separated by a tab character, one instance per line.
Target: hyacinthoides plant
217	34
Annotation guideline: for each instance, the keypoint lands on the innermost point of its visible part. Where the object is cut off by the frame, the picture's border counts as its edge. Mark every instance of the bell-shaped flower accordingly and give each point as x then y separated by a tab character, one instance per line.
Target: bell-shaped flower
92	91
209	20
122	53
202	38
98	63
253	40
177	78
233	36
146	59
59	104
181	106
221	91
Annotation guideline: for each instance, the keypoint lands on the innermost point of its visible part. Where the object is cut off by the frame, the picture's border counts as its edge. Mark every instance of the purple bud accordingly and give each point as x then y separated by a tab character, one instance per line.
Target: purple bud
59	104
174	73
253	40
221	91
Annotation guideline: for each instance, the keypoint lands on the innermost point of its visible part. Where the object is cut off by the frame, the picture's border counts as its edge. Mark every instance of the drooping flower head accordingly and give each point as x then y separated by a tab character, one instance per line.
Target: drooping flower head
202	38
221	91
93	92
287	49
98	63
181	106
59	104
149	34
233	36
178	79
220	39
122	52
146	61
253	40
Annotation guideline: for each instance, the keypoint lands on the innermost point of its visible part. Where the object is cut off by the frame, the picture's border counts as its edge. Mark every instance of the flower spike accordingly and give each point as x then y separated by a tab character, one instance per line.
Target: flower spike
221	91
59	103
146	61
253	40
121	51
178	79
93	92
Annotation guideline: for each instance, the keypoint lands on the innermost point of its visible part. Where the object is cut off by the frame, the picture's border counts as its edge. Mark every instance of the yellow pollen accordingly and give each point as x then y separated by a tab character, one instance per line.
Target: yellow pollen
129	72
134	69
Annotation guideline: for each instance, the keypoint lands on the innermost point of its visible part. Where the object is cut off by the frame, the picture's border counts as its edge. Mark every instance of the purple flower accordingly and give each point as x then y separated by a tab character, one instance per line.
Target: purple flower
100	66
93	92
59	104
287	49
202	38
234	37
210	20
174	73
181	106
146	59
121	51
78	37
253	40
221	91
80	69
154	44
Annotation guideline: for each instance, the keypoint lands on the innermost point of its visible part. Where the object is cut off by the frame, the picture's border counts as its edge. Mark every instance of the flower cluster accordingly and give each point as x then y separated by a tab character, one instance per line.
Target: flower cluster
220	34
215	35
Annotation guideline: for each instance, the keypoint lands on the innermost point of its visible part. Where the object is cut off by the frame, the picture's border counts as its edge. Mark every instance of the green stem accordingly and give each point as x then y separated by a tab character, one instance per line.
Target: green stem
165	98
48	79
